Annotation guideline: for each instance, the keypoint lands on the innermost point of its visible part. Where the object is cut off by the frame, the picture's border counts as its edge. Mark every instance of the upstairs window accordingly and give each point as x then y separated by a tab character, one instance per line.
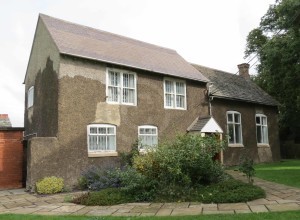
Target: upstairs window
121	87
101	138
261	129
174	94
148	137
30	97
234	127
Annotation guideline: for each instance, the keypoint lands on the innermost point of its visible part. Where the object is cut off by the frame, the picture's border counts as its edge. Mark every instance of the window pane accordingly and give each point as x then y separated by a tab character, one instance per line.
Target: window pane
142	130
169	87
257	120
114	78
238	136
131	81
101	130
265	134
30	97
111	142
153	131
230	133
125	95
110	130
237	118
229	118
92	142
258	134
113	94
101	142
93	130
264	120
179	88
125	80
169	100
180	101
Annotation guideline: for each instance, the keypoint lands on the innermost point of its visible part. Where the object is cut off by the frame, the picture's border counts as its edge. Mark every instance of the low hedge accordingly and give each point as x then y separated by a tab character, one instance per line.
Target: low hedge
227	191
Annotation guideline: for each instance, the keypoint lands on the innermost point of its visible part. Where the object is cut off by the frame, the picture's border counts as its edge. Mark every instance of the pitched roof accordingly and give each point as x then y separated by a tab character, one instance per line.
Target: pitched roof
206	125
235	87
4	120
86	42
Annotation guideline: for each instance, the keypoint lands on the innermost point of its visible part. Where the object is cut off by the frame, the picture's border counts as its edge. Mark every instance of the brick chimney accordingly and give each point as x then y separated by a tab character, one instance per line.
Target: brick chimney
244	70
4	120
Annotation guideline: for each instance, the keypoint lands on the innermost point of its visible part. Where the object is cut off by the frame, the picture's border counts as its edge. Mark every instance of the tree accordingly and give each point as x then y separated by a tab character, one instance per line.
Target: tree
276	43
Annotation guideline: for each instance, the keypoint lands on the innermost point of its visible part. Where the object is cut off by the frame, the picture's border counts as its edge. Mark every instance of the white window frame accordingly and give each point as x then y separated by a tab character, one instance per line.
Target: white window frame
174	94
261	130
121	87
234	144
98	152
139	136
30	97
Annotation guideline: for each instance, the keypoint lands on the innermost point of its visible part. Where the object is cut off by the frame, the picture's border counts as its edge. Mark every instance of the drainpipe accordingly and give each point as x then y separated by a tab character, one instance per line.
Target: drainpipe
210	98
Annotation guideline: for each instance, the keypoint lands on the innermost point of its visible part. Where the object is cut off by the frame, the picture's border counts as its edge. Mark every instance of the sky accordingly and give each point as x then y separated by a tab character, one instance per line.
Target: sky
207	32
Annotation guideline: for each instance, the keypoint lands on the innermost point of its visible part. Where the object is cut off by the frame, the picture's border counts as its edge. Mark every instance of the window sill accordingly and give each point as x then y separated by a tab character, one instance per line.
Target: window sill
118	103
102	154
263	145
182	109
235	145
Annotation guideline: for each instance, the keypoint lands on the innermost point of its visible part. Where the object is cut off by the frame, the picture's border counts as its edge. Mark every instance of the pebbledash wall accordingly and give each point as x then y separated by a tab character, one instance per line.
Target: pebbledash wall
11	157
260	153
61	149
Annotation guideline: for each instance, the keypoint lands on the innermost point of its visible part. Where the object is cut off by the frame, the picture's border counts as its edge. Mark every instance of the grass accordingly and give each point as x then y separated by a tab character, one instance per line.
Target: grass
227	191
285	172
256	216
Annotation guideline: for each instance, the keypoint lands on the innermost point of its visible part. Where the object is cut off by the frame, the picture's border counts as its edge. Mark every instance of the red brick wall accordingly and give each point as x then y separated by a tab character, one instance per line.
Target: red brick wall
11	159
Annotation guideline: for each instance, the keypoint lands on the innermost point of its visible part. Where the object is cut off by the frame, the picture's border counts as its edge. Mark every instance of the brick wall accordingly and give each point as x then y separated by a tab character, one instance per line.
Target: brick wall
11	158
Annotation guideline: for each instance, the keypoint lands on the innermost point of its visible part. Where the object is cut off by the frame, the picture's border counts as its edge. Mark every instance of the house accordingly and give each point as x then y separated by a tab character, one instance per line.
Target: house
91	94
11	155
246	112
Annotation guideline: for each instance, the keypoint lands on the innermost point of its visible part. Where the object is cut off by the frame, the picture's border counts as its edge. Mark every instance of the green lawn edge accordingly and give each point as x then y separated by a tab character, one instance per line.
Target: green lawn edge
247	216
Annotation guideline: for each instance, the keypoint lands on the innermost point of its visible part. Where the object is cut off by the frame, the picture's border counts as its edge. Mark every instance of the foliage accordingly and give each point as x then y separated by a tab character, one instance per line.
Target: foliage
50	185
127	157
230	191
187	161
227	191
276	42
284	172
95	178
109	196
246	166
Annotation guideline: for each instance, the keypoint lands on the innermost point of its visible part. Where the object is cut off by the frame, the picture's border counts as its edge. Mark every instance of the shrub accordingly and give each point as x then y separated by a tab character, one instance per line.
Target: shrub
230	191
246	167
50	185
95	178
109	196
187	161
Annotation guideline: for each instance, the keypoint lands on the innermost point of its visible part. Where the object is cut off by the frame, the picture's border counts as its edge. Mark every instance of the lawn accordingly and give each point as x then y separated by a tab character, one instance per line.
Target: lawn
285	172
267	216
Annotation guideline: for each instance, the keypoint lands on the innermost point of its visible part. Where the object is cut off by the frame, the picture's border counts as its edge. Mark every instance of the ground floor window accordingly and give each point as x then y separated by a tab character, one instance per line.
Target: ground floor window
261	129
101	138
148	136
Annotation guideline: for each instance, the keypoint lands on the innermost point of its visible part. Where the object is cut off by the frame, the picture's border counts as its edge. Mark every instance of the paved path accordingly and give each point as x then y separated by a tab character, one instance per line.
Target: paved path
279	198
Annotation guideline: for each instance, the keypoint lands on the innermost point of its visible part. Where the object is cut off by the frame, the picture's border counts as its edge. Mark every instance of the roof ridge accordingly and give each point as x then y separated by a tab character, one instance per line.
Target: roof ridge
107	32
222	71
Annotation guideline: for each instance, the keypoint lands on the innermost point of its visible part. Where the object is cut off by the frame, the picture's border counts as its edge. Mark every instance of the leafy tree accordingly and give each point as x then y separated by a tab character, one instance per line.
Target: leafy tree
276	43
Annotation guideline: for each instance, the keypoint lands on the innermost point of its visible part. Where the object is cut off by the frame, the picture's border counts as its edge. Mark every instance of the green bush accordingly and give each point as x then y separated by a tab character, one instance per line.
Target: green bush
50	185
109	196
230	191
187	161
246	166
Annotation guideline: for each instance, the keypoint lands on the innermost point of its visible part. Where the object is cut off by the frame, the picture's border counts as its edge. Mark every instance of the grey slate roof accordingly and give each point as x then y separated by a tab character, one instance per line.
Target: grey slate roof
199	123
235	87
4	120
86	42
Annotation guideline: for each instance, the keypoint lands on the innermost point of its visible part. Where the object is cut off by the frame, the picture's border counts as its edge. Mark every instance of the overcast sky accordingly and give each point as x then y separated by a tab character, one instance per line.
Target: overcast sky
207	32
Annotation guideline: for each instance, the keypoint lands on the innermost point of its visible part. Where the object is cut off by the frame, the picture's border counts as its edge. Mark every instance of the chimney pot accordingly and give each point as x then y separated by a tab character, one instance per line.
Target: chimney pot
244	70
